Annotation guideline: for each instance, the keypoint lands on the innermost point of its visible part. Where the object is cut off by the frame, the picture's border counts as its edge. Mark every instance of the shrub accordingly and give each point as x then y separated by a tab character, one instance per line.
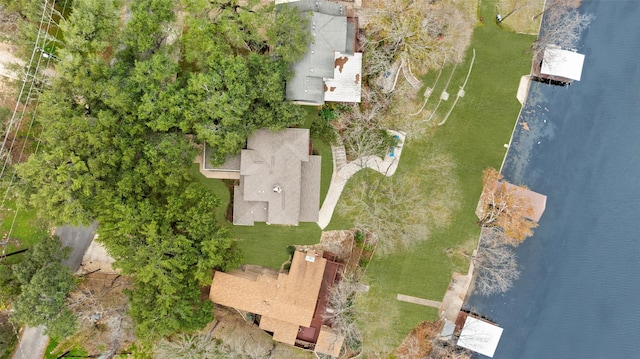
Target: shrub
291	250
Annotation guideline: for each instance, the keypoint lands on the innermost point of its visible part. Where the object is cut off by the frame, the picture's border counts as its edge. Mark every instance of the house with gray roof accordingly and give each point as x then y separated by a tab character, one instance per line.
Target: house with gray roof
331	69
279	180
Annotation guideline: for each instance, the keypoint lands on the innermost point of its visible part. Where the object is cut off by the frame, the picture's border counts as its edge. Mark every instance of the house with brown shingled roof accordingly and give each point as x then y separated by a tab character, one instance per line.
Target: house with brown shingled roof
290	305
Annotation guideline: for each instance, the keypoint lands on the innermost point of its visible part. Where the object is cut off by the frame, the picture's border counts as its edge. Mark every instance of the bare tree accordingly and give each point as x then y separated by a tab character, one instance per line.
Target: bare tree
101	309
197	346
394	211
562	26
447	349
421	32
403	209
359	126
558	6
496	263
502	205
342	311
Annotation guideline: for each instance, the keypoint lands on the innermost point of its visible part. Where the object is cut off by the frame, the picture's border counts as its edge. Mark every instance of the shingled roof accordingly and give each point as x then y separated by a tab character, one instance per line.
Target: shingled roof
285	301
333	41
291	305
279	180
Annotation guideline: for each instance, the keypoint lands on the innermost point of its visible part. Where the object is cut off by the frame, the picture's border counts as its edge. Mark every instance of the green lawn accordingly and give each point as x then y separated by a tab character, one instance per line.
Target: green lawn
76	352
473	137
27	230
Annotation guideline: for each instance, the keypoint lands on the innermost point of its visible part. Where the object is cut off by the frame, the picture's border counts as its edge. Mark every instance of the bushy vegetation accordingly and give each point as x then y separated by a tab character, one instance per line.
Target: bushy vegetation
123	120
37	287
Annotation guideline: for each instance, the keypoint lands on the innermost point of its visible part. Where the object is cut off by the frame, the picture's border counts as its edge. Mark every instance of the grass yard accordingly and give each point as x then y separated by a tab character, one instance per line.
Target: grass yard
27	229
523	15
264	244
473	138
49	353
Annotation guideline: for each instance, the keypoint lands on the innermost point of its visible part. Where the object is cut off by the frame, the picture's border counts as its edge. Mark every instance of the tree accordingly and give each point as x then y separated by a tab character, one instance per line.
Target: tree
9	285
89	26
502	205
495	262
177	245
121	125
236	96
343	310
143	33
37	287
196	346
46	251
422	33
403	209
562	26
447	349
42	299
289	33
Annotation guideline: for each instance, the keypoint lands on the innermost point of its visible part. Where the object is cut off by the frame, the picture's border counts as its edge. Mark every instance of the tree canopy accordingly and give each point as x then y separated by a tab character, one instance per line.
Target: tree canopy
124	119
423	33
504	207
43	283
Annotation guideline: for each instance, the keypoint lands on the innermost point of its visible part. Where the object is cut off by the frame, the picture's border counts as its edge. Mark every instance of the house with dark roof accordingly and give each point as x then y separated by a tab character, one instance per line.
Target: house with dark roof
279	179
289	305
331	69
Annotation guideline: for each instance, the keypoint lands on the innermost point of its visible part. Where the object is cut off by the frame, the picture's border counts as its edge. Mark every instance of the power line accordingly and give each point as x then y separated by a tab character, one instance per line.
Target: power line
24	84
33	80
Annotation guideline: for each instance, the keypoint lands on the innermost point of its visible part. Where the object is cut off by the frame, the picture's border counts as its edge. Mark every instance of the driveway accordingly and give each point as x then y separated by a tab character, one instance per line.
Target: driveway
32	344
79	239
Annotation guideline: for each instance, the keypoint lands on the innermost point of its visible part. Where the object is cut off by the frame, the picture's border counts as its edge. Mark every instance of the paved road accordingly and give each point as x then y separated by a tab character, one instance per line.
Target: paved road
32	345
33	342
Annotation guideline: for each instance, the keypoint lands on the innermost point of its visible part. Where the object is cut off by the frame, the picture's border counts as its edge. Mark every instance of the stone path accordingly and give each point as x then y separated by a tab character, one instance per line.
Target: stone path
339	157
416	300
453	298
455	295
342	171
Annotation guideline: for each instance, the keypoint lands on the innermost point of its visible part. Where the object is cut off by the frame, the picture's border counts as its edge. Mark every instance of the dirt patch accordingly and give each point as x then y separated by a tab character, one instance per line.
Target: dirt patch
418	343
101	306
246	338
230	184
8	23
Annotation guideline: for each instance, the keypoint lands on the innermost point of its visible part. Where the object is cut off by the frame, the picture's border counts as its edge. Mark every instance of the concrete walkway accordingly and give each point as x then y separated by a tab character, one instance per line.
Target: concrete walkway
421	301
342	171
455	295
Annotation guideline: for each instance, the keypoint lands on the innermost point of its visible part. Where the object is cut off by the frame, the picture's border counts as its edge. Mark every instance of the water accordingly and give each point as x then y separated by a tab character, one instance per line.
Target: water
579	292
